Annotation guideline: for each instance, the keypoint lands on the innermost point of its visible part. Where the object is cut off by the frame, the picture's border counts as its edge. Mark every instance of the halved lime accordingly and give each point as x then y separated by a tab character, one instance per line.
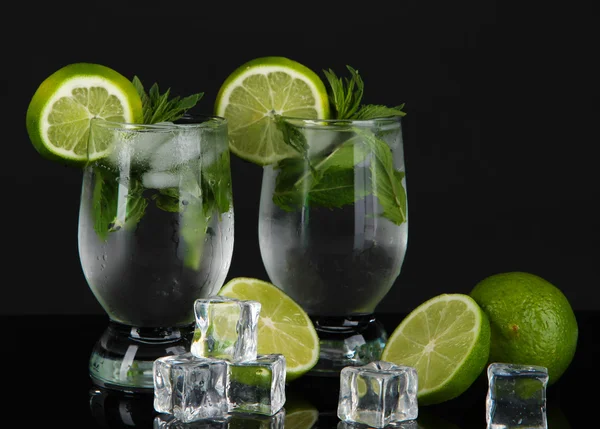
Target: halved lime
447	340
283	326
257	91
59	114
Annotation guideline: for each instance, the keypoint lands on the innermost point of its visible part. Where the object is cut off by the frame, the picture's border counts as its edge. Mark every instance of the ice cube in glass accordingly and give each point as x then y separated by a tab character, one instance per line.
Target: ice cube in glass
516	396
378	394
226	328
257	386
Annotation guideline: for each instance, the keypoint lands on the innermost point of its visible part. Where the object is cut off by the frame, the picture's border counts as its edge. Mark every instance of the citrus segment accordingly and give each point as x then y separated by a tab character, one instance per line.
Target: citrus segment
59	113
446	339
283	326
257	91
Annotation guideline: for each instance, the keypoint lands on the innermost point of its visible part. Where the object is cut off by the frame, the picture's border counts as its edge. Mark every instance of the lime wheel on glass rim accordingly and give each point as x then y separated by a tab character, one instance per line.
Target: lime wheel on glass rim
59	113
259	89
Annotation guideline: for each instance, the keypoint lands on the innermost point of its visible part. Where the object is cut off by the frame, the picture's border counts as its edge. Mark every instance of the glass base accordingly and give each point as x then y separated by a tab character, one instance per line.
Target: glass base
347	341
123	357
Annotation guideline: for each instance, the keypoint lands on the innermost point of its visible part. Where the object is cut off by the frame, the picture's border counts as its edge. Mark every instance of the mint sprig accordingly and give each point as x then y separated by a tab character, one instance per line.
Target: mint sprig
159	107
346	94
328	181
197	200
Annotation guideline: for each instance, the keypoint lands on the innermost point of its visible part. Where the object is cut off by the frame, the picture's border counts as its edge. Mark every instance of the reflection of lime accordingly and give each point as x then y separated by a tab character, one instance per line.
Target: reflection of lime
446	339
300	414
283	326
59	114
532	322
259	89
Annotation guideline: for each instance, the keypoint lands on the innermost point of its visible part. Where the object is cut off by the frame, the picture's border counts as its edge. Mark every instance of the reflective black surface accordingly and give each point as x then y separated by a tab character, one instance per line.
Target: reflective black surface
45	373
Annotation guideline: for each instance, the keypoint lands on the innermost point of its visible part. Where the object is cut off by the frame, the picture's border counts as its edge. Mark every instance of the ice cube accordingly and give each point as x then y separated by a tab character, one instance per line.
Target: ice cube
378	394
226	328
257	386
191	388
183	147
160	180
516	396
257	421
163	386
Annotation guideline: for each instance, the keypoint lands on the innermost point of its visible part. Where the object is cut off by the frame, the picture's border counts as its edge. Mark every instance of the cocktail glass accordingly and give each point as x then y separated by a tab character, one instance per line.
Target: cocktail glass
155	234
333	229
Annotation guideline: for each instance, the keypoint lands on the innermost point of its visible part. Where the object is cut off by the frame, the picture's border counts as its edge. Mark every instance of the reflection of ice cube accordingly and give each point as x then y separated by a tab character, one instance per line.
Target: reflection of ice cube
160	180
181	148
257	421
516	396
257	386
378	394
167	421
226	328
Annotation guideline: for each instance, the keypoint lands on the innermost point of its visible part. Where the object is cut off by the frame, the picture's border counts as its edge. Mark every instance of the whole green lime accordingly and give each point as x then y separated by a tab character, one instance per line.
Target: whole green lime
532	322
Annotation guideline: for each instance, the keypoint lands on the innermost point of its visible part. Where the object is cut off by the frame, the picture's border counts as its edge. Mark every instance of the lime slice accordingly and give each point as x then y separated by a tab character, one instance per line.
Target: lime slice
59	114
259	89
283	326
447	340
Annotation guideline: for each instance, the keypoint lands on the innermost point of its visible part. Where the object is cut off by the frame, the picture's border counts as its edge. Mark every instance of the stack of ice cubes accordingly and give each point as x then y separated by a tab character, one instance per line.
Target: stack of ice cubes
378	394
222	373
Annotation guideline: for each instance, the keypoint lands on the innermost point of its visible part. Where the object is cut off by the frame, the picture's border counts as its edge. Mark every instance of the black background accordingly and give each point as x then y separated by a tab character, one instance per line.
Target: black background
500	137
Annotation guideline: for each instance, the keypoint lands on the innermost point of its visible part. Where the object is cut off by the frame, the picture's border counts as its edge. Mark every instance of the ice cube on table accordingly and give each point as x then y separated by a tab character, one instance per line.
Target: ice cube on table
257	386
226	328
257	421
191	388
378	394
163	386
516	396
167	421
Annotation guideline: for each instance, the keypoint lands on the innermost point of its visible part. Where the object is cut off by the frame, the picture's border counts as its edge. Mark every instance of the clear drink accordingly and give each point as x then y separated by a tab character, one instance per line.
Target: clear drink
335	259
155	233
333	224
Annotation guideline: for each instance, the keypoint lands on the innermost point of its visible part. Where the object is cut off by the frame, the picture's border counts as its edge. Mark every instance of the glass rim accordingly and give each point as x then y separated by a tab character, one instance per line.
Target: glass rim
317	123
196	121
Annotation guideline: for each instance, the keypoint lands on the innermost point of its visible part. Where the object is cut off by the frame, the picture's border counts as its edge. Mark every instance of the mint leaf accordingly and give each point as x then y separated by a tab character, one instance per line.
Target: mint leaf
335	189
216	192
287	195
167	200
297	184
387	186
158	107
113	210
345	95
374	111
